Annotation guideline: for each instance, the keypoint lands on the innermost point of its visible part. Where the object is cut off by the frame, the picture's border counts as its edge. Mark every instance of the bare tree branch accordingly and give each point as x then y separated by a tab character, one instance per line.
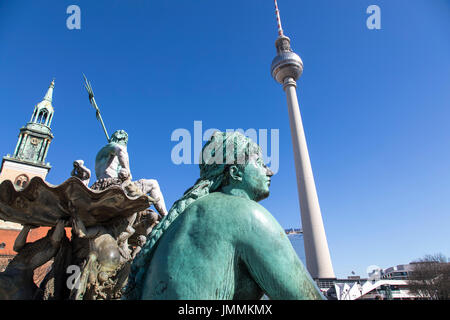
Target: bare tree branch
430	277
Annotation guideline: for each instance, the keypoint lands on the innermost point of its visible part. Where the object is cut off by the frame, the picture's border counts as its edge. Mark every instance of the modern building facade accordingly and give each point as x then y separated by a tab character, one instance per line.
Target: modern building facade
382	284
296	238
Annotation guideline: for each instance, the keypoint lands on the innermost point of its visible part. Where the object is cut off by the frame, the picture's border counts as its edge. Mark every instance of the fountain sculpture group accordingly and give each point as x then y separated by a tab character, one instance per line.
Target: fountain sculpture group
216	242
109	223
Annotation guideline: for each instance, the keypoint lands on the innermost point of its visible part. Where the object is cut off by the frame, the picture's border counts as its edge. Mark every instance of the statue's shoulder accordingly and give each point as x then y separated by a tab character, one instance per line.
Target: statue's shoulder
229	209
111	147
224	201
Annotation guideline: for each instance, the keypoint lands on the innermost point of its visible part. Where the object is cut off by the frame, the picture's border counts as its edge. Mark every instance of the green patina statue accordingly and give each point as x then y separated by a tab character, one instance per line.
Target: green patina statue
113	157
217	242
112	164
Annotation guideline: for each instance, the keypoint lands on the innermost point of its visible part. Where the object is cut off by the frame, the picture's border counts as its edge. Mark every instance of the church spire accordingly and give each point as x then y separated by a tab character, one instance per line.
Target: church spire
35	137
49	94
43	111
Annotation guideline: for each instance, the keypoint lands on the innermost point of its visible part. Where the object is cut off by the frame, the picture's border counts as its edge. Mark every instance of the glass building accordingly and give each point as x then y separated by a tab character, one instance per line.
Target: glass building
296	238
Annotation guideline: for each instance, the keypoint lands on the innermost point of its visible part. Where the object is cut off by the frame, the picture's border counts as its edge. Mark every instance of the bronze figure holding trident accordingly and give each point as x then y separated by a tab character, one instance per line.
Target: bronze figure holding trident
112	161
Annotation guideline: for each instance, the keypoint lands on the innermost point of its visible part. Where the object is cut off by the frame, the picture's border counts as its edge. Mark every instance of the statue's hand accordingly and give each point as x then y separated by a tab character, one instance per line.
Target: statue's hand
75	227
124	252
61	223
124	174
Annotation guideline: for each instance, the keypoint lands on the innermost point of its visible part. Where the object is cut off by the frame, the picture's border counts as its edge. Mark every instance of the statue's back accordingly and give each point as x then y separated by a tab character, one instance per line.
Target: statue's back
106	163
196	258
226	247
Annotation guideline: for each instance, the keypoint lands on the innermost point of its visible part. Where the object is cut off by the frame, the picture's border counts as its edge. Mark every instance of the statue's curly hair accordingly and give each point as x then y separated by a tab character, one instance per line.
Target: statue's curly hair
219	153
119	135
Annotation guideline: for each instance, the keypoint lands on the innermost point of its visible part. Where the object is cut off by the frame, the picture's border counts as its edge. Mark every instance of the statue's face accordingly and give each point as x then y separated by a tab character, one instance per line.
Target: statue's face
256	178
142	240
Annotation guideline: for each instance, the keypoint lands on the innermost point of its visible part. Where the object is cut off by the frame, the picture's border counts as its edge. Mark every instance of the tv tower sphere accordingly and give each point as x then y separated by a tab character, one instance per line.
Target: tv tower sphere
287	64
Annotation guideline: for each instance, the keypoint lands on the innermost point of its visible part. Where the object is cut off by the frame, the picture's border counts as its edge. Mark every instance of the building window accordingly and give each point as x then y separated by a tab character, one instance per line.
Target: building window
42	117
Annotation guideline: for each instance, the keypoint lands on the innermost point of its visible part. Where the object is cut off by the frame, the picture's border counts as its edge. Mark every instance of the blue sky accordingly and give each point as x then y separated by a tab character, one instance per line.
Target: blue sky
375	103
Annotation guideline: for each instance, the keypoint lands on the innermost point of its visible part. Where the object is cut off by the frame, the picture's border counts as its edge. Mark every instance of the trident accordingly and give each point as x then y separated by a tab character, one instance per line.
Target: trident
88	87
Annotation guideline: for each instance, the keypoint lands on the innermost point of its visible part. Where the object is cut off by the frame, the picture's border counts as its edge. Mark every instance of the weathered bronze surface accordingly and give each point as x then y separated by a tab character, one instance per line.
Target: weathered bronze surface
102	221
42	204
217	242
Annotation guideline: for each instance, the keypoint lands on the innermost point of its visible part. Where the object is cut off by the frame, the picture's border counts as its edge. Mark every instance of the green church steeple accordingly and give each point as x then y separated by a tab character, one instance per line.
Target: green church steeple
34	139
28	160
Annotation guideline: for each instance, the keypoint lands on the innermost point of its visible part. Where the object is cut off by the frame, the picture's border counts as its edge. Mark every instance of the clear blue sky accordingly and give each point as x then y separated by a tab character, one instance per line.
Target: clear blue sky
375	103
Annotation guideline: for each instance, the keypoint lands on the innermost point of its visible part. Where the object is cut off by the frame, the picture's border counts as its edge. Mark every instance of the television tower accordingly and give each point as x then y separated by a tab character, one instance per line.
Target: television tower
286	69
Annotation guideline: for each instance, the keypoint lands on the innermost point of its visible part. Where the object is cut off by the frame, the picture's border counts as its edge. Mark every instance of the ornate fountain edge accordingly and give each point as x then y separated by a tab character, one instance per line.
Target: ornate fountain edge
9	196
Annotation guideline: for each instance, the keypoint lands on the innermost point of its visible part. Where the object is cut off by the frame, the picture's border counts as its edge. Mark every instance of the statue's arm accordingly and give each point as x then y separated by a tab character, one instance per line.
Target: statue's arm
21	239
81	231
124	160
273	263
58	232
104	158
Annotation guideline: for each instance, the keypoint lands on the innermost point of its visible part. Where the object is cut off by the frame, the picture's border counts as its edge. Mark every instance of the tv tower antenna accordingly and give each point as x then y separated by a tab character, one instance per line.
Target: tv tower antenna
277	12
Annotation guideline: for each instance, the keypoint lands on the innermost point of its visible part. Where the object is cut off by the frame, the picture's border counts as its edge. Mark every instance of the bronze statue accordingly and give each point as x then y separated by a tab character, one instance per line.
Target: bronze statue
217	242
16	282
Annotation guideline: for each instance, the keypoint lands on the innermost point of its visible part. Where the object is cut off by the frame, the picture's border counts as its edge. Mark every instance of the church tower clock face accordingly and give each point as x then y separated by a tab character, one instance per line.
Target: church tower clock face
31	149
